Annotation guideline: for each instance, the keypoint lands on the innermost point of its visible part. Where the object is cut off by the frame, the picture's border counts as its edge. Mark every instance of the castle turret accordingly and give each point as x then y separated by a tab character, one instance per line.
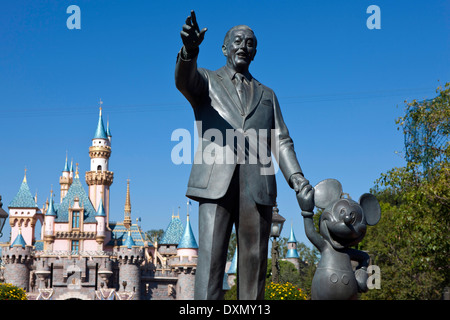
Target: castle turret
185	264
292	254
49	222
100	217
23	213
17	259
99	178
171	237
130	258
65	180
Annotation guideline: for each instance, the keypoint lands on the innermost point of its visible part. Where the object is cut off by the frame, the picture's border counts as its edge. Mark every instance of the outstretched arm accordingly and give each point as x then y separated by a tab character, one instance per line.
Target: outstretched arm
311	232
305	198
188	79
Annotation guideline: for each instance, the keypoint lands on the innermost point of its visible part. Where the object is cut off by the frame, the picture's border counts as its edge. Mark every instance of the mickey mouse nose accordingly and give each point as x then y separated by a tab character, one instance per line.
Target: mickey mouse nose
349	218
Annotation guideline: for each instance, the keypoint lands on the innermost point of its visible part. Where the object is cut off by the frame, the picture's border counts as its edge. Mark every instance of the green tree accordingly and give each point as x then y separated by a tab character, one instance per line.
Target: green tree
232	246
411	243
154	235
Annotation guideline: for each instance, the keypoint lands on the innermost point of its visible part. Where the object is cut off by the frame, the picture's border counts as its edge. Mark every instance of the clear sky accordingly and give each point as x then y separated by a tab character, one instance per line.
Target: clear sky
340	86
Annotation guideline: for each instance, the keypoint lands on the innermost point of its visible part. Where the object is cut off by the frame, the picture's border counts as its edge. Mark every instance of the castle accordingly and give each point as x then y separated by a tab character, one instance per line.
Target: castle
82	254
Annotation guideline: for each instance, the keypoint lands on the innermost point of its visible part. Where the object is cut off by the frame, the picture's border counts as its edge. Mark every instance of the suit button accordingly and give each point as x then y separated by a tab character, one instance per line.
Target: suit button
334	278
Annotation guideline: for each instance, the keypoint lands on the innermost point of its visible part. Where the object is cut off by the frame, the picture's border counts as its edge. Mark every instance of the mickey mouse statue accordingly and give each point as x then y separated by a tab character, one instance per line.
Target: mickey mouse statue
342	224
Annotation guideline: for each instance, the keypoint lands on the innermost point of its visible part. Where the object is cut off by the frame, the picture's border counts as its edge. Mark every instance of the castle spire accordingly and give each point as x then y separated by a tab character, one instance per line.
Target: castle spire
66	166
127	218
187	239
100	132
127	201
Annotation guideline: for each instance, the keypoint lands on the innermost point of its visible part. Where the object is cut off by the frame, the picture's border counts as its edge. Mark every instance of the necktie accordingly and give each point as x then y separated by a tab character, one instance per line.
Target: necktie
241	90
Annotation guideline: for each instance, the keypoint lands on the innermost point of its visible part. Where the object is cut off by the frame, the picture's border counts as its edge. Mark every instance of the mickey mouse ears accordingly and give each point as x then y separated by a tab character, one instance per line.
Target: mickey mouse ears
326	192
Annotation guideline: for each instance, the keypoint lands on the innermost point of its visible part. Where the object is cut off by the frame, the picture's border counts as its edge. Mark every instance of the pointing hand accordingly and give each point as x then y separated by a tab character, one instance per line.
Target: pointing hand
191	35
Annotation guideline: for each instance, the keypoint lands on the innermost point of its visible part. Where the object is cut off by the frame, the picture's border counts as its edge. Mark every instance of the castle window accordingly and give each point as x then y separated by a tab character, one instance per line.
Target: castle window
75	245
99	168
75	219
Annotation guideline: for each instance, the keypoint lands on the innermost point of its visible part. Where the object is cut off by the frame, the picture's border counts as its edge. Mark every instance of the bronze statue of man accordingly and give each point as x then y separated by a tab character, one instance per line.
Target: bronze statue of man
240	192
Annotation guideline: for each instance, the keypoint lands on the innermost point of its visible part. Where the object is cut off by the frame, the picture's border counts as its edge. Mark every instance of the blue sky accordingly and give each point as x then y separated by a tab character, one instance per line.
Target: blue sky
340	86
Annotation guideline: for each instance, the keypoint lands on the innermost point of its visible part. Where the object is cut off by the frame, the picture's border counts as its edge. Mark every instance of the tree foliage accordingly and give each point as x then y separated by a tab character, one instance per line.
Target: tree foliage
411	243
154	235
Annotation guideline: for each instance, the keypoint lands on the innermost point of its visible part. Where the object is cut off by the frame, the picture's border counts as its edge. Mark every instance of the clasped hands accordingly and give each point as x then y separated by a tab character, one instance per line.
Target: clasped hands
305	193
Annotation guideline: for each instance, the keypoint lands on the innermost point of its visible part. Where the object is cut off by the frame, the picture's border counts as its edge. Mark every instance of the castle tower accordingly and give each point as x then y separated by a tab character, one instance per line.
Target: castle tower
49	222
65	180
292	254
99	178
127	218
130	259
186	263
17	259
23	213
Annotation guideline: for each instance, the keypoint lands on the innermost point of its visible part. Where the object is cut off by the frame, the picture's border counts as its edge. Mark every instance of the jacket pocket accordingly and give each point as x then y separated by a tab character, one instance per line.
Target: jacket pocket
201	171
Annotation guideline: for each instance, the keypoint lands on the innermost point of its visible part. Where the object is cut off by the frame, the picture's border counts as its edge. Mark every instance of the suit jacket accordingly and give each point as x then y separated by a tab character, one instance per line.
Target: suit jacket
218	112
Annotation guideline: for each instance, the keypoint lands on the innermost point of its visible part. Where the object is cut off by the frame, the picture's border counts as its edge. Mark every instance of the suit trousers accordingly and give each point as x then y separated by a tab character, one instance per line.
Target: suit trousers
252	222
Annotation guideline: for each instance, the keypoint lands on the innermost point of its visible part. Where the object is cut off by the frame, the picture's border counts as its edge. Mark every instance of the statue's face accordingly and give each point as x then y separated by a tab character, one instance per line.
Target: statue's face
343	225
240	49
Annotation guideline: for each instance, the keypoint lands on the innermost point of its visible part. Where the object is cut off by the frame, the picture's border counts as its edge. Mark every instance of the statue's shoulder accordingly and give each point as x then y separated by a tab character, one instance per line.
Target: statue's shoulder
265	88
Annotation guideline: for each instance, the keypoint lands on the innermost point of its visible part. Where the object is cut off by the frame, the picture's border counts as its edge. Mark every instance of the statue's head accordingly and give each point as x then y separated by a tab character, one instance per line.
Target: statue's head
343	222
239	46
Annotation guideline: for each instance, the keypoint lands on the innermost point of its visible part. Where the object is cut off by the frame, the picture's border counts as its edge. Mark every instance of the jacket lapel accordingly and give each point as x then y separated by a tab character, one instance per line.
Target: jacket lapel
229	88
255	97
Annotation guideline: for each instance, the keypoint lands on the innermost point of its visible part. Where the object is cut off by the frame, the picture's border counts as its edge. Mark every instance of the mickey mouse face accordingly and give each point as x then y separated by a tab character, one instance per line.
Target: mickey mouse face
343	224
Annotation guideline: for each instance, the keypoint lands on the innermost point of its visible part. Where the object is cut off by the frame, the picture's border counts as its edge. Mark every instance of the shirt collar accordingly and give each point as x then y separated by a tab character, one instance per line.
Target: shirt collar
231	73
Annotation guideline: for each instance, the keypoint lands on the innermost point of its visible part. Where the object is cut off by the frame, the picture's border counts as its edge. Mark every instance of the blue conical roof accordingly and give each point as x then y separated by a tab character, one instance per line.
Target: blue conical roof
188	239
129	243
101	209
292	237
51	208
292	253
23	198
19	241
100	133
66	167
233	265
108	130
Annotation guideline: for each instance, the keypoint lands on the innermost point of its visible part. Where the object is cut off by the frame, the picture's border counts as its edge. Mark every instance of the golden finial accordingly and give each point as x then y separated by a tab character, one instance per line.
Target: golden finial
100	103
76	170
25	175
